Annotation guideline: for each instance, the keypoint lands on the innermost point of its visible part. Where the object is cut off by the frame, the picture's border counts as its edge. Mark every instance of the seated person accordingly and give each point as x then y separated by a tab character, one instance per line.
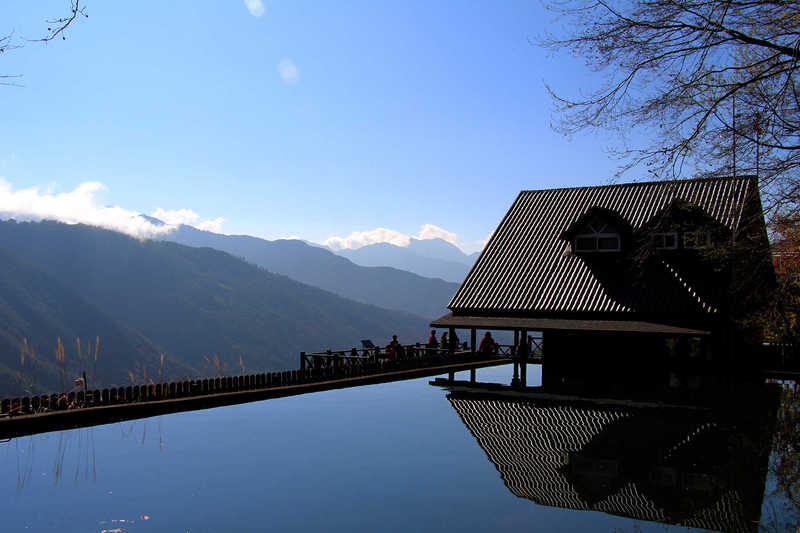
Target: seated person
432	342
488	345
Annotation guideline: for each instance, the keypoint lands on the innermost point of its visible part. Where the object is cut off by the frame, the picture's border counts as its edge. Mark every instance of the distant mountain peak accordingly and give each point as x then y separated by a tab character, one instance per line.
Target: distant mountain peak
435	258
153	220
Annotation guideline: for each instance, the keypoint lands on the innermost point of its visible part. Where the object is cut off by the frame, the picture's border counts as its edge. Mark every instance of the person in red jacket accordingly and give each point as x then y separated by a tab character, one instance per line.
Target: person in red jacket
487	344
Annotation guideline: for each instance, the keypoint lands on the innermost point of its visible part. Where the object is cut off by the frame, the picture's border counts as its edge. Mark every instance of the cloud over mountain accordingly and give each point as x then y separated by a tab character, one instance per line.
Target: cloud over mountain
175	217
79	206
358	239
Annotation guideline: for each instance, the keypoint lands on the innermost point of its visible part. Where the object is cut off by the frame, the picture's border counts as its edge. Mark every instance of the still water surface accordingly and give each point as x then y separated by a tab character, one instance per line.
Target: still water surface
393	457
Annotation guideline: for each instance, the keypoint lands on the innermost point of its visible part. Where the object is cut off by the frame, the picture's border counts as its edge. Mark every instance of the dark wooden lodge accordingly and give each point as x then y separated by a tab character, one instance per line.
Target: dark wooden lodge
647	283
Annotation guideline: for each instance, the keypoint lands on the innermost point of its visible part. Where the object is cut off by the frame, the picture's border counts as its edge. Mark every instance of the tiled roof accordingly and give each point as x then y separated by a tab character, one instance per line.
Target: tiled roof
527	266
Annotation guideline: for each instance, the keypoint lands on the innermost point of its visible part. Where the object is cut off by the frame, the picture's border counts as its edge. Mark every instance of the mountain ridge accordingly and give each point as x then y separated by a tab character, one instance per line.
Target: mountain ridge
434	258
188	303
386	287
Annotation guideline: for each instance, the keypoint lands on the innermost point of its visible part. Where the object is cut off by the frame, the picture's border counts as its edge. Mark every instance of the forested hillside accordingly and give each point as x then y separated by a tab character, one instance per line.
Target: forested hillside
144	298
386	287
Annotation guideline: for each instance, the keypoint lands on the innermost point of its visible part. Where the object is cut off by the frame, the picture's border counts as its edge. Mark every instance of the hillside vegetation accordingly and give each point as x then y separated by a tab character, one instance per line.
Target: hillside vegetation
385	287
144	298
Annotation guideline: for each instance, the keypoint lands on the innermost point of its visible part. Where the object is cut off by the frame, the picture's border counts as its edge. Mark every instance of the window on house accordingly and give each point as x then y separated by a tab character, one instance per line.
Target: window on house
665	241
697	239
597	240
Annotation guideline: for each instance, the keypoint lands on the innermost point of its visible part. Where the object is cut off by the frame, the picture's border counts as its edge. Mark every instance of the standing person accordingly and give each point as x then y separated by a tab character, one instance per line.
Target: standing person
443	342
487	344
454	340
432	342
394	348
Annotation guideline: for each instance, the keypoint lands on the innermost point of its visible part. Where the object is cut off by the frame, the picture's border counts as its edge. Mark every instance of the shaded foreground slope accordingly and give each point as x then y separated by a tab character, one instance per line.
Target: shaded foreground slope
192	302
36	307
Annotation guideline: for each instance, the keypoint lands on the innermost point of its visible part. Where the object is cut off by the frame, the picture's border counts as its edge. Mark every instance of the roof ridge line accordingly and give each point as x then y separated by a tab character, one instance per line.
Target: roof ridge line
638	183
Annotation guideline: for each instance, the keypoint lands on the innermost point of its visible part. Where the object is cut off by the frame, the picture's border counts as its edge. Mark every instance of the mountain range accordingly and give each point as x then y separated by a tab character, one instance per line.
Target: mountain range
432	258
191	304
386	287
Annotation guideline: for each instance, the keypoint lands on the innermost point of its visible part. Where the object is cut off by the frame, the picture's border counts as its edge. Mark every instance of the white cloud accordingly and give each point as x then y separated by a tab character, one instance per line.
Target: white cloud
78	207
214	226
175	216
429	231
357	239
476	246
288	70
255	7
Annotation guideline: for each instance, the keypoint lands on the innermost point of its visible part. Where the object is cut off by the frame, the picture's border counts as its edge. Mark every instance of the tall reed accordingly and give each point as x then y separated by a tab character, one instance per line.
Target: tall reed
96	350
27	361
61	360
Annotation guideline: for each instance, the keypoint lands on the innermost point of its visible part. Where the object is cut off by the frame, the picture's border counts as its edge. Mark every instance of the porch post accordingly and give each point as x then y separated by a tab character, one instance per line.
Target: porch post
515	358
472	341
451	339
523	352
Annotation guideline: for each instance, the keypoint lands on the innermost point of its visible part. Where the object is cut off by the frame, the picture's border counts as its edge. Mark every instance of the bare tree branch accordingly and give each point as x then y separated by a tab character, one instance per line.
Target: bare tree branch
56	28
58	25
674	68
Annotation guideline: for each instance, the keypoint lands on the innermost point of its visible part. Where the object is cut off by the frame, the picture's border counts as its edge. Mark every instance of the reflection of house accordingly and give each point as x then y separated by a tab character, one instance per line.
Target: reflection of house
679	469
612	272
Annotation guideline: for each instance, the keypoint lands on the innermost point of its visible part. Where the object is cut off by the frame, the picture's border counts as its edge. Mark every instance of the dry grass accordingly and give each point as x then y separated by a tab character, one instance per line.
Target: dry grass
215	365
26	377
139	374
29	366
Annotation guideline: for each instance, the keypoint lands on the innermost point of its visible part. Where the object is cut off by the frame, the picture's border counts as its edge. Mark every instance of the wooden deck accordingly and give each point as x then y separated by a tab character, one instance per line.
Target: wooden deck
30	424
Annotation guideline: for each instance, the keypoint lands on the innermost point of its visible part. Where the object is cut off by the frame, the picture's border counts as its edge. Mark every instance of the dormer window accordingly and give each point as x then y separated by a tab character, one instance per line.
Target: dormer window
599	230
697	239
665	241
598	238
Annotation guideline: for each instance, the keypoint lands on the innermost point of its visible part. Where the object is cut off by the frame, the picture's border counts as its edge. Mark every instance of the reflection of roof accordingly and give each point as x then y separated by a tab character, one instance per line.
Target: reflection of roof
527	266
530	445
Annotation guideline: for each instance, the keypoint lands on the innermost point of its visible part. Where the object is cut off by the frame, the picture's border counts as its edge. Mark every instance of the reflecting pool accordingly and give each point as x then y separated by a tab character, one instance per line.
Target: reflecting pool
397	456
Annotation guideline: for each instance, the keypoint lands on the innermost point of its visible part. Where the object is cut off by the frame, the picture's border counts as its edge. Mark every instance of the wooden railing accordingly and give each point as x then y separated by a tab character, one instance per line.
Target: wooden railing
316	368
535	355
356	357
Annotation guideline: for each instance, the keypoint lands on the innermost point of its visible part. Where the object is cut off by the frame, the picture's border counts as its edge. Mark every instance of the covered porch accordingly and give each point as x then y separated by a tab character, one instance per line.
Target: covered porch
551	341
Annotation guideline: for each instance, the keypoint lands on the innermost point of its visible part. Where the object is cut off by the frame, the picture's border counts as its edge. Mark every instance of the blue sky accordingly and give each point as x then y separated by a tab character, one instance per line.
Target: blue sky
310	119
